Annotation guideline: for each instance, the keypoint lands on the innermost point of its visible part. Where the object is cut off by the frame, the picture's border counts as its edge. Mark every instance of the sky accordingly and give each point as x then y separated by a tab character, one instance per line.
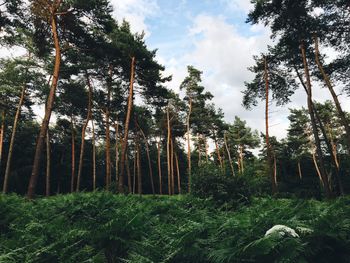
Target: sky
212	36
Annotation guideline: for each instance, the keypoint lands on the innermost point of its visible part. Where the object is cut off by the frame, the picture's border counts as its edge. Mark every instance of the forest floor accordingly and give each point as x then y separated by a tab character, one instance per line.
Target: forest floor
103	227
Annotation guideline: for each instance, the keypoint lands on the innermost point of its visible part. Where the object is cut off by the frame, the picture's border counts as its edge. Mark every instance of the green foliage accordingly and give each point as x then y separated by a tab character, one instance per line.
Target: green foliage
210	182
102	227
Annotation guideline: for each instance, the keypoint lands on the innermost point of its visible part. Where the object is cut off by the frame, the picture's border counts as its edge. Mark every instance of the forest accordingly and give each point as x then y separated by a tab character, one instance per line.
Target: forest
101	161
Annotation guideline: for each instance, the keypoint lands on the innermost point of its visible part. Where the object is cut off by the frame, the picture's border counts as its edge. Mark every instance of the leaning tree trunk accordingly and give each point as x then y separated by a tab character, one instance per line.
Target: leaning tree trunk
189	145
49	105
229	155
12	141
267	136
299	170
126	129
327	80
83	131
48	164
313	123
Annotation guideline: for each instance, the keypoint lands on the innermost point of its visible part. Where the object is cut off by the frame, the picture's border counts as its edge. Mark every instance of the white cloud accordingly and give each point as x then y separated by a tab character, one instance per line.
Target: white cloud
238	5
136	12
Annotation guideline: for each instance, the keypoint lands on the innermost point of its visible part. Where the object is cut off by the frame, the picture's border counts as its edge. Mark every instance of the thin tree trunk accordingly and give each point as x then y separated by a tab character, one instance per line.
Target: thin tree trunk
241	158
12	141
108	136
93	156
229	155
199	149
128	173
2	130
189	145
299	170
148	157
317	168
172	166
168	152
134	179
178	174
126	129
48	163
206	148
218	152
313	123
139	175
116	127
83	131
49	105
275	169
73	156
268	146
327	80
159	170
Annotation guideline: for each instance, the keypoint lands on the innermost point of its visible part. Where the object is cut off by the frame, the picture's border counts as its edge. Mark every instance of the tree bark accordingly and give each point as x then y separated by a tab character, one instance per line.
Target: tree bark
126	129
218	152
93	157
178	174
108	136
199	149
189	145
2	132
317	168
83	131
313	123
229	155
327	80
134	178
172	166
299	170
73	156
159	169
139	175
12	141
241	158
168	152
148	157
128	173
48	163
116	128
49	105
267	136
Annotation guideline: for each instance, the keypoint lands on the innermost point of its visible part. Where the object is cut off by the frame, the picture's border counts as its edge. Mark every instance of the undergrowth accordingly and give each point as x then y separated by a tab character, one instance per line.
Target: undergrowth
102	227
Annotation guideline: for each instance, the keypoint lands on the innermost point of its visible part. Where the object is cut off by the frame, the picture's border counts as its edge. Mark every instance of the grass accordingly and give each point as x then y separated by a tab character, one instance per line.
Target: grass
102	227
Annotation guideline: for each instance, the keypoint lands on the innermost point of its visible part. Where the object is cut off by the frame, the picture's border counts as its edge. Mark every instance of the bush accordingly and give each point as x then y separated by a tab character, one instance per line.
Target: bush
209	182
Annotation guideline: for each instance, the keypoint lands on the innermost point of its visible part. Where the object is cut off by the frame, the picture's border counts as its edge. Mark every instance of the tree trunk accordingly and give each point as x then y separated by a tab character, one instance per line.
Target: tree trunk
299	170
2	132
108	136
199	149
327	80
313	123
275	169
317	168
116	127
139	175
126	129
241	158
73	157
134	178
49	106
218	152
267	136
148	157
168	152
189	145
229	155
128	173
172	166
159	170
206	148
178	174
93	157
83	131
48	163
12	141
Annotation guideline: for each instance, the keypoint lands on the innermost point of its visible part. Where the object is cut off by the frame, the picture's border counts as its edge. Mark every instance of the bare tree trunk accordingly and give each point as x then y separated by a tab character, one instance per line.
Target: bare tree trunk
148	157
327	80
218	152
313	123
108	138
73	156
172	166
139	175
128	173
317	168
126	129
159	170
49	105
206	148
134	179
275	169
241	158
168	152
116	127
199	149
48	163
299	170
178	174
268	146
93	156
2	132
12	141
189	145
83	131
229	155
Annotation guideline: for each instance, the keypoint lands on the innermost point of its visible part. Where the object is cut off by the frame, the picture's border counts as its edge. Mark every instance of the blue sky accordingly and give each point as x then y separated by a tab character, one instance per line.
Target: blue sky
211	35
